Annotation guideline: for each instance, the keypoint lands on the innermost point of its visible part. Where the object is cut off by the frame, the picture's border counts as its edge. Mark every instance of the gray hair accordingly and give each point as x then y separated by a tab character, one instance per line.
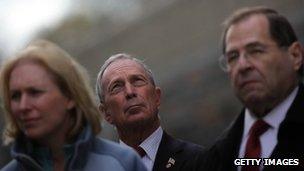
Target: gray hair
108	62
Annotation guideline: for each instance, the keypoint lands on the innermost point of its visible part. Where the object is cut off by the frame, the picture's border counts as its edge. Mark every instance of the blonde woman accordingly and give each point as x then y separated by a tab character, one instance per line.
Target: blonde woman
51	117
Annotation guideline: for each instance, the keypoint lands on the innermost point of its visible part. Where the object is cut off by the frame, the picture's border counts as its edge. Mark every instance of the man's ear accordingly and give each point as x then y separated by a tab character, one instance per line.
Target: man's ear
107	116
296	52
158	95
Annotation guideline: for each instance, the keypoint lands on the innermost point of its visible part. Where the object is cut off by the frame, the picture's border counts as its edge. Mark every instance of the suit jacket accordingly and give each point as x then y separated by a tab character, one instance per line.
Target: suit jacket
174	154
290	141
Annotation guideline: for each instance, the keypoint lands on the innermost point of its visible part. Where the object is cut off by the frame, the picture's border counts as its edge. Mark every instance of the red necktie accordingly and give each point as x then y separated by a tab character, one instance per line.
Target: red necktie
253	146
140	151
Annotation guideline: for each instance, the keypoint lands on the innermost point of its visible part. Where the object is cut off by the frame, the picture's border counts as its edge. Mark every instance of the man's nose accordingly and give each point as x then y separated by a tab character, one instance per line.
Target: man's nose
243	62
130	91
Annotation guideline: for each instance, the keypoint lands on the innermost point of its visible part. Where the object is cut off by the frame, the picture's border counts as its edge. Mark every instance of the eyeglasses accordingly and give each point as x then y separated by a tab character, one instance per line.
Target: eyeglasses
252	53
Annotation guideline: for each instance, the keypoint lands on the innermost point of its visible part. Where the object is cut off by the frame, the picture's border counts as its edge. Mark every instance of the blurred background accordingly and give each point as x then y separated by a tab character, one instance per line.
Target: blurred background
178	39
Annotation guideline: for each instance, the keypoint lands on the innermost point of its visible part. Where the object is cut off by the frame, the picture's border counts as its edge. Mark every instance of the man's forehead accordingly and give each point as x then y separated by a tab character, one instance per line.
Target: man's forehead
255	16
123	66
254	28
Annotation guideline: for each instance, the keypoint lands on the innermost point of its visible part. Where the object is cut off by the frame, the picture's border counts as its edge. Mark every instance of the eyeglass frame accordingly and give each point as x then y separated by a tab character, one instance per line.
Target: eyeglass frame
254	54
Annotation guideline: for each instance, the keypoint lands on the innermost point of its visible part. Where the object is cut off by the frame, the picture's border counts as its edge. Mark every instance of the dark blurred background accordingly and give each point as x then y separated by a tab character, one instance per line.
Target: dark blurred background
178	39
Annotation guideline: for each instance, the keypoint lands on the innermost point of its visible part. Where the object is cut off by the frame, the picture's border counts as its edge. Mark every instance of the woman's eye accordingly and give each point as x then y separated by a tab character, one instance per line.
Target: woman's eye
35	92
15	96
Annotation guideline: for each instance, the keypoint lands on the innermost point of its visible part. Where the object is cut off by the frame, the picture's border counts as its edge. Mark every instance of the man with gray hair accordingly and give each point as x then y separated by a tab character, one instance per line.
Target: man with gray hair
130	100
264	61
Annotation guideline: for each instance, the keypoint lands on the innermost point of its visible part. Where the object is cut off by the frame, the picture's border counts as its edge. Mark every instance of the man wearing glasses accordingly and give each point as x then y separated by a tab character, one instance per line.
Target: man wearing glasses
264	61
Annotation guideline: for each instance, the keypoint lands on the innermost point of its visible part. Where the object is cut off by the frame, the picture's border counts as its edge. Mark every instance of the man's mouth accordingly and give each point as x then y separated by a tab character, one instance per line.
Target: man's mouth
132	109
247	83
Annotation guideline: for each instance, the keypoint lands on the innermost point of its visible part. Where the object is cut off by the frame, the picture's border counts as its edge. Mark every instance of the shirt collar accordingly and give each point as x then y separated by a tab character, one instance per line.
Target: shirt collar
274	117
150	144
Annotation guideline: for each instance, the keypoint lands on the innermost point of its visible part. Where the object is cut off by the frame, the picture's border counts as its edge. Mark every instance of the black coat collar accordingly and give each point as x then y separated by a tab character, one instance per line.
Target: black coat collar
168	148
290	139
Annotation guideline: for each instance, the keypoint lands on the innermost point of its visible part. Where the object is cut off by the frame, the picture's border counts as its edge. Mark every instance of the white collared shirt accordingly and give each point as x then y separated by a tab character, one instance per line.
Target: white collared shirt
150	145
273	118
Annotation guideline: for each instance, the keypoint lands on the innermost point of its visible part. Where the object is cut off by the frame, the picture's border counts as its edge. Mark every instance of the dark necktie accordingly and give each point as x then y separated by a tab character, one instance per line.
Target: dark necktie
140	151
253	145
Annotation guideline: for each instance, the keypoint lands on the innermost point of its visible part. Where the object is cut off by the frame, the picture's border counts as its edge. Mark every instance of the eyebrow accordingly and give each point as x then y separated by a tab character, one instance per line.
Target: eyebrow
254	44
249	45
138	75
129	77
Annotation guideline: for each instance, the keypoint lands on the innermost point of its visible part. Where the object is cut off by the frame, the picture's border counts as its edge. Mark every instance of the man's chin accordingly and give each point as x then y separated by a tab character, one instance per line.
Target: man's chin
251	97
135	117
138	120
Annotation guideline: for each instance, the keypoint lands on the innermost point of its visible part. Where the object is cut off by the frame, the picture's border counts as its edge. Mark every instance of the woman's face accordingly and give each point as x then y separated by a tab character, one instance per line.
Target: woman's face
37	104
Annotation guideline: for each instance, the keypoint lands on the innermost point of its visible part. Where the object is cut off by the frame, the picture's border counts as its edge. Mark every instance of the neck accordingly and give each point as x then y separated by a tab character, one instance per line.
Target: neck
136	135
57	153
55	144
262	108
58	159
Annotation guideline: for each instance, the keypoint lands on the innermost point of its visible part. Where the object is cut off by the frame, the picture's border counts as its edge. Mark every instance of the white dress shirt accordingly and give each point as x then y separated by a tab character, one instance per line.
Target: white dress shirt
273	118
150	145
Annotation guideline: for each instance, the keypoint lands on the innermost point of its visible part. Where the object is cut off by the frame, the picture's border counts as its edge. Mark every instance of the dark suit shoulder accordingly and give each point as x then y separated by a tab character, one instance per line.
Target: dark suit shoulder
194	153
211	159
221	154
189	147
184	155
181	146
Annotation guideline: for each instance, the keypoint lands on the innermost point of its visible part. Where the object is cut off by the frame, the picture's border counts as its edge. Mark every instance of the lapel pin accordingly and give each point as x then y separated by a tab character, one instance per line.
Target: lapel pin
170	163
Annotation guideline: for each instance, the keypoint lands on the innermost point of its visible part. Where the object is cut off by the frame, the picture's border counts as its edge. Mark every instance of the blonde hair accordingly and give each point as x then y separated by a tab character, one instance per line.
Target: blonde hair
71	78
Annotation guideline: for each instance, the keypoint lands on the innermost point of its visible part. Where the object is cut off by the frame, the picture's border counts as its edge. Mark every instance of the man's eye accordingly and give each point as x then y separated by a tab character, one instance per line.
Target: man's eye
115	88
232	56
255	51
139	82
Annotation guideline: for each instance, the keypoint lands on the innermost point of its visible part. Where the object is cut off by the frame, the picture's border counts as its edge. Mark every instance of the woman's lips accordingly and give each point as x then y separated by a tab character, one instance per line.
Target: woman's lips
28	122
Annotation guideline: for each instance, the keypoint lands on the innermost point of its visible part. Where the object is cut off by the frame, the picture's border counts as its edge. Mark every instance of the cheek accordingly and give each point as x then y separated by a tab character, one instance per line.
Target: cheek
268	73
152	99
232	78
15	114
14	109
114	104
268	67
50	107
53	105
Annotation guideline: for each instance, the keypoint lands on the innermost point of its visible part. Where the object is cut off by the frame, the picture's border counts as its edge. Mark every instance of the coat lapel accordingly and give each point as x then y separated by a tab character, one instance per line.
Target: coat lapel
290	137
228	146
167	154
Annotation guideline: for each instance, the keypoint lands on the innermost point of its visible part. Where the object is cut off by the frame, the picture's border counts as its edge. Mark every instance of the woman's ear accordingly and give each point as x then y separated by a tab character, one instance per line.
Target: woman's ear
70	104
